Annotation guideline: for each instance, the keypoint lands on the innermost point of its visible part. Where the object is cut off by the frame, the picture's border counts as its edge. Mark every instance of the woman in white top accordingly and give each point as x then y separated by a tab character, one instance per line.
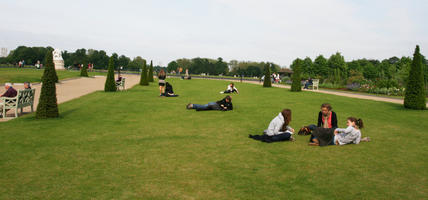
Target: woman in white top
278	130
230	89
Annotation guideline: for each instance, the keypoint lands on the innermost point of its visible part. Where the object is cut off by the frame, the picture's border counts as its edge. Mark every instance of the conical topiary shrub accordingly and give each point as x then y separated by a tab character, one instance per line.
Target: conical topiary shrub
297	68
267	82
143	79
110	85
415	89
84	71
150	76
48	107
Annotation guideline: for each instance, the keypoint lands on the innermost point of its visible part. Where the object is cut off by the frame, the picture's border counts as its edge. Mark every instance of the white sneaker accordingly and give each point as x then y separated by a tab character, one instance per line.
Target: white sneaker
221	92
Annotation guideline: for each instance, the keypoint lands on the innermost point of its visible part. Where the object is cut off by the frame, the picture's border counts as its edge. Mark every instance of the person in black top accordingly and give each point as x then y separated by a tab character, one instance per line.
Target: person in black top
327	123
326	117
162	77
169	92
223	105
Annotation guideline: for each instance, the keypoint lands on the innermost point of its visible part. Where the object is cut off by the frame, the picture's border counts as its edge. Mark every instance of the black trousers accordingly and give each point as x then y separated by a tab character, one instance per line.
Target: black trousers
276	138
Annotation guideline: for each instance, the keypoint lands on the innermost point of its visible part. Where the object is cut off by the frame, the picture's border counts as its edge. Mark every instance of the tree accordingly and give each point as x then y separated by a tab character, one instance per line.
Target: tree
48	107
337	68
110	85
150	77
84	71
267	82
415	90
115	60
320	67
172	66
307	67
136	64
143	79
124	61
297	70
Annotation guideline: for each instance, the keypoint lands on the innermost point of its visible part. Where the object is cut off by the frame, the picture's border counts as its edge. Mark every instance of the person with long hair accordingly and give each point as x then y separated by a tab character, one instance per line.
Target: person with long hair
224	105
340	136
161	77
278	130
327	120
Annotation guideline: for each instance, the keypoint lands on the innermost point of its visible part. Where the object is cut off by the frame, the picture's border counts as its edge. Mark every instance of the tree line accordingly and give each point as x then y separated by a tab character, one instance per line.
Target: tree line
387	73
98	58
218	66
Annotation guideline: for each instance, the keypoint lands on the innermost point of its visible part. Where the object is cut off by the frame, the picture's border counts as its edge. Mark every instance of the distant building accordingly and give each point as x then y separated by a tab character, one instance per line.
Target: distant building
285	72
3	52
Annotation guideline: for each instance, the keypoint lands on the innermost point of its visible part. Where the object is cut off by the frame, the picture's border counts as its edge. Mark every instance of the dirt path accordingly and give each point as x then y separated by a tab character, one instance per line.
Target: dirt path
345	94
73	88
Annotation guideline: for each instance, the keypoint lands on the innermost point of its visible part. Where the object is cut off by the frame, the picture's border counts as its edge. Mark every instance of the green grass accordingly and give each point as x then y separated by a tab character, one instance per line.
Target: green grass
20	75
135	145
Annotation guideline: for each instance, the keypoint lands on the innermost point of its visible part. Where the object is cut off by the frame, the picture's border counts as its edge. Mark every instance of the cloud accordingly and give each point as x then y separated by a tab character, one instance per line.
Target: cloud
270	30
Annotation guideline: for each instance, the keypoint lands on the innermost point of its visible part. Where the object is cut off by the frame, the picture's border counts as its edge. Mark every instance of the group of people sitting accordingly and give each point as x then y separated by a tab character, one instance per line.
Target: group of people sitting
11	92
325	133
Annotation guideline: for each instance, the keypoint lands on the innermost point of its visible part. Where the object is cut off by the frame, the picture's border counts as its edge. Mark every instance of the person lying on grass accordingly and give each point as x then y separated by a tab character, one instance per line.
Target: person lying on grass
278	130
230	89
339	136
223	105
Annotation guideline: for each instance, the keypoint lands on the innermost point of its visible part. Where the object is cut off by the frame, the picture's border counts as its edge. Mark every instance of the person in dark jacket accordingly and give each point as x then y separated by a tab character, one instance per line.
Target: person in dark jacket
327	123
10	92
223	105
326	117
169	92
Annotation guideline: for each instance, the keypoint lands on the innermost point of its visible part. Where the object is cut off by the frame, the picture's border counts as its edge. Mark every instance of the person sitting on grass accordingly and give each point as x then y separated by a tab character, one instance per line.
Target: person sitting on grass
230	89
169	92
327	119
278	130
340	136
223	105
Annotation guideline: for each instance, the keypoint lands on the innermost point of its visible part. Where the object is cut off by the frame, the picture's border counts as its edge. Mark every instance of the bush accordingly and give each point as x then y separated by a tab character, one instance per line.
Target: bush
48	107
286	80
415	90
297	67
143	79
84	71
267	82
150	77
110	85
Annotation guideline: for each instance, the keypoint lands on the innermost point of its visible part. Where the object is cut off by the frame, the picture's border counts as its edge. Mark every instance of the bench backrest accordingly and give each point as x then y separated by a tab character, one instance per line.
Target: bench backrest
26	97
315	82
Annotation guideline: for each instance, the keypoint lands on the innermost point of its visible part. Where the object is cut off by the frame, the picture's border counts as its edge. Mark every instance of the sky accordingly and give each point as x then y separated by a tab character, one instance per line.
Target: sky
244	30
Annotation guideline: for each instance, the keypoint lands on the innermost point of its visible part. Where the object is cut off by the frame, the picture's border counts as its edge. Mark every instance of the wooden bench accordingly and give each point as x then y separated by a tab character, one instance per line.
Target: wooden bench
23	99
120	84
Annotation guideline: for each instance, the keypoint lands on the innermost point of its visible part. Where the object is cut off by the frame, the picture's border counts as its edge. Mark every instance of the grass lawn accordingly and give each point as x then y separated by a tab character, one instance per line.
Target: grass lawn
20	75
135	145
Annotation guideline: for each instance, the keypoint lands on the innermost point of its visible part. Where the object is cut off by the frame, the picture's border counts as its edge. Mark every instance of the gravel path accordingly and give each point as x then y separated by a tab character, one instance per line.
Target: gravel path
338	93
72	88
